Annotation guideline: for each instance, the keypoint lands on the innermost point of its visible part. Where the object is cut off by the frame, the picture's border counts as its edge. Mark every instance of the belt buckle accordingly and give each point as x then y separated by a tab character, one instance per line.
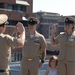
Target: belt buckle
29	59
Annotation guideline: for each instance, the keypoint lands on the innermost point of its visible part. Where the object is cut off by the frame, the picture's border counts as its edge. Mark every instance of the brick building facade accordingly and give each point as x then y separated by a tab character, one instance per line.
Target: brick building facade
17	10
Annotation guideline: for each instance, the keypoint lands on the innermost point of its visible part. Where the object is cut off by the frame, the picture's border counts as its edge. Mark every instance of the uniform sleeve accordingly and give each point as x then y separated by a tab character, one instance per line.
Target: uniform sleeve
56	39
12	41
43	43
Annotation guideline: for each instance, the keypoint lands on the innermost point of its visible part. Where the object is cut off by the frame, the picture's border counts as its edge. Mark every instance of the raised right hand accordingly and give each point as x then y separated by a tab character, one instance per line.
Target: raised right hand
19	27
53	30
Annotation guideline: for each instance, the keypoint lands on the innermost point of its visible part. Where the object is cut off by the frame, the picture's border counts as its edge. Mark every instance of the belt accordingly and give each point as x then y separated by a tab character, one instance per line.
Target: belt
30	58
2	70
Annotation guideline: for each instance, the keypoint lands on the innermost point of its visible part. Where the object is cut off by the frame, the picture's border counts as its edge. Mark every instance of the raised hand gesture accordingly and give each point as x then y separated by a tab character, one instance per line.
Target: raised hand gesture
53	30
19	27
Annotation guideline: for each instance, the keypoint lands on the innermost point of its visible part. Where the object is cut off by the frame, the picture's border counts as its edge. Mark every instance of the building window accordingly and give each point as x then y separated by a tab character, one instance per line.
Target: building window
17	8
23	8
1	5
10	7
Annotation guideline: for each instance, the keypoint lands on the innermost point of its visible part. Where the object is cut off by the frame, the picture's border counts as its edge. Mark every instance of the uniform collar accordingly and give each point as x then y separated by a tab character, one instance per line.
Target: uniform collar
35	34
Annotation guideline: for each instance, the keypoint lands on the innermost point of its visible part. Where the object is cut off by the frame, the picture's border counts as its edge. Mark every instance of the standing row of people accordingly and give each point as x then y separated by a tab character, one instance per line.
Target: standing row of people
34	42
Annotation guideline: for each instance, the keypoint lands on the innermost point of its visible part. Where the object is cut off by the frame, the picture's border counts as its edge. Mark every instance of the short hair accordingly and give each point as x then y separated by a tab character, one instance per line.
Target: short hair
2	25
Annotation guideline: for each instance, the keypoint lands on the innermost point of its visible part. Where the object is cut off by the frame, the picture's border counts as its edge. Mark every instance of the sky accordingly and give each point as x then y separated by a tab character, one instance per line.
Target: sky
63	7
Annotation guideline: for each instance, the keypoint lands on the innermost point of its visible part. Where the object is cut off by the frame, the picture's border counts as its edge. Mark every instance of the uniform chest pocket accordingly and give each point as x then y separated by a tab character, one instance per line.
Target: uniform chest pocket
71	42
63	40
37	43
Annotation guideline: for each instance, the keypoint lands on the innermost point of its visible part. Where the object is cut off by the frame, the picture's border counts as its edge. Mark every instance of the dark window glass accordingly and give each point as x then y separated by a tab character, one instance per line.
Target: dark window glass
1	5
17	8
